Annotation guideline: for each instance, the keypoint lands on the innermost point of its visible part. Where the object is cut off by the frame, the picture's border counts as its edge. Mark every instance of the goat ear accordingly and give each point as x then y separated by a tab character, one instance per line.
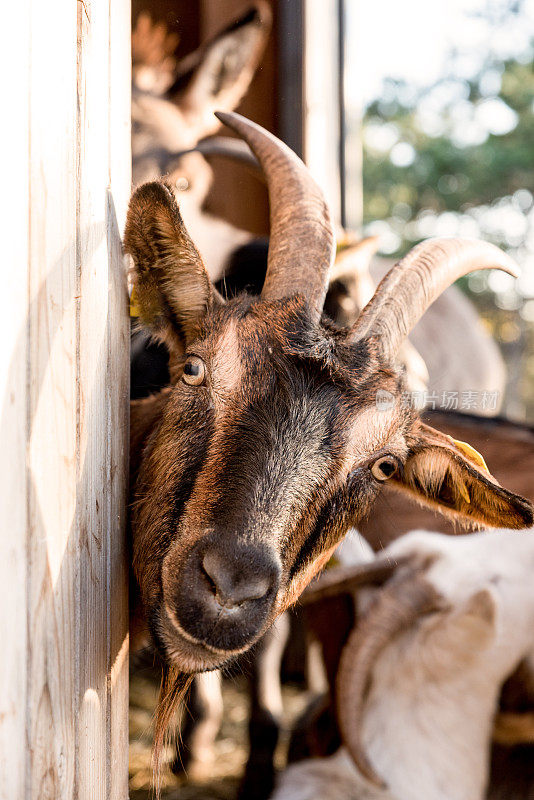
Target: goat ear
351	286
451	477
172	288
153	61
217	75
352	262
460	633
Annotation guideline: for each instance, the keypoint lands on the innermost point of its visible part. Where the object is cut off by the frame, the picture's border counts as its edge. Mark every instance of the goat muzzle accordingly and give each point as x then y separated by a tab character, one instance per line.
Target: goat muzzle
225	593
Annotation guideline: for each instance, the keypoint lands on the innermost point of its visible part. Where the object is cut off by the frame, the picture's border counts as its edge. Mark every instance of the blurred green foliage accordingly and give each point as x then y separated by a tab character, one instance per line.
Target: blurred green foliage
446	173
457	158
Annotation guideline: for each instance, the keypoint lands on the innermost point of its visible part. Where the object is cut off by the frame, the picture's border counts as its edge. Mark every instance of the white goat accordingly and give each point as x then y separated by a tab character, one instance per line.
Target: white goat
420	676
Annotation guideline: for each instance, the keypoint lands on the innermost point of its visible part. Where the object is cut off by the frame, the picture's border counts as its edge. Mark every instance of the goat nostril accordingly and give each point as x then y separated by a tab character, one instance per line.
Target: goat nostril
258	588
212	570
211	583
230	585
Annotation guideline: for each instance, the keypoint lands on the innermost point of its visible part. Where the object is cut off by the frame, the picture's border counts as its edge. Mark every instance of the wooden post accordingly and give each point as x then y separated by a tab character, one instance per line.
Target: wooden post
64	402
321	143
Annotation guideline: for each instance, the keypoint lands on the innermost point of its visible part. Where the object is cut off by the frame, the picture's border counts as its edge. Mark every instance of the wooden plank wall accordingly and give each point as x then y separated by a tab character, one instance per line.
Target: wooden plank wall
64	403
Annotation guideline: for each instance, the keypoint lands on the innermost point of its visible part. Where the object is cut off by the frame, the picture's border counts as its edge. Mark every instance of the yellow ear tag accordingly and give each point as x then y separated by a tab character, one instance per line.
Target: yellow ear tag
472	454
134	308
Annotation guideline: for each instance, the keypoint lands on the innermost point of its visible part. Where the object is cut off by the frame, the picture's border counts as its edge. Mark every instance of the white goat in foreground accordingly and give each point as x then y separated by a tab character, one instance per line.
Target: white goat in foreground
420	676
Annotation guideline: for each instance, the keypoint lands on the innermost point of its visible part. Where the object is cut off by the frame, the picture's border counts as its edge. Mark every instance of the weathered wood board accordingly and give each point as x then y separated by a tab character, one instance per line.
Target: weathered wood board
64	402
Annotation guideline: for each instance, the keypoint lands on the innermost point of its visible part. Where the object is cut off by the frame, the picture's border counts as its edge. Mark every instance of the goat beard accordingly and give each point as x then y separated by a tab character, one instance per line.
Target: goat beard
173	690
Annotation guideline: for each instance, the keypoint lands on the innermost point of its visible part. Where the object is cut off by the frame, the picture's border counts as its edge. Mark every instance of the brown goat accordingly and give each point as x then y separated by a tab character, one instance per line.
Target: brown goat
278	429
509	450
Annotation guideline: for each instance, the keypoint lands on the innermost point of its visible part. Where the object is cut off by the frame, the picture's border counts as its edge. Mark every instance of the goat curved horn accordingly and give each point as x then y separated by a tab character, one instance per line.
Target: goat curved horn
412	285
301	244
226	146
346	580
405	598
231	148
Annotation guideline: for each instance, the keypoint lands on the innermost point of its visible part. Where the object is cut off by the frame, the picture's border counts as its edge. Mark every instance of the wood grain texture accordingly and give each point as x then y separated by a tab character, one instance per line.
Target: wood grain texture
13	358
64	415
118	386
52	408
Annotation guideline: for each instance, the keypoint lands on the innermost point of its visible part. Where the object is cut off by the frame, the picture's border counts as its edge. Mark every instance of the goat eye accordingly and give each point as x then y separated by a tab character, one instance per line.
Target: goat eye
194	371
383	468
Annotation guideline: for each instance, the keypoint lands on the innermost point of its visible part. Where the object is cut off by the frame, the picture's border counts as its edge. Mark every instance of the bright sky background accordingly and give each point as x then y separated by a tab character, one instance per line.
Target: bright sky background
411	39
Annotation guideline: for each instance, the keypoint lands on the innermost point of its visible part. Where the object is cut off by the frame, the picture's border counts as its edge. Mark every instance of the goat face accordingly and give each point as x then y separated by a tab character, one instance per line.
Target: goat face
270	443
251	477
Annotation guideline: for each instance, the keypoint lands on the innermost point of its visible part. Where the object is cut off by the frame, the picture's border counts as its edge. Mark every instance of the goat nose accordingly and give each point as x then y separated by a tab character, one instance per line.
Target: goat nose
225	591
234	581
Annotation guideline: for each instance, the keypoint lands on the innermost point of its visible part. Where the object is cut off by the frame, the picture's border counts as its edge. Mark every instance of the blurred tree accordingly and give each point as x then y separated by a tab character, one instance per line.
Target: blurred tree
457	158
446	148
